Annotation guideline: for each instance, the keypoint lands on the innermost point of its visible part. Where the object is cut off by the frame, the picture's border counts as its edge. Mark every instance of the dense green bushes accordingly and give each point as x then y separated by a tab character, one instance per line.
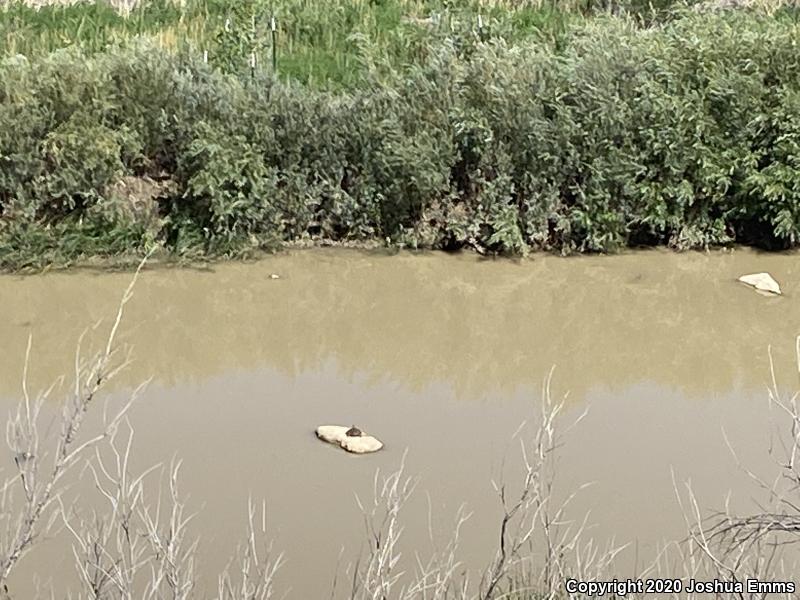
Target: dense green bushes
687	134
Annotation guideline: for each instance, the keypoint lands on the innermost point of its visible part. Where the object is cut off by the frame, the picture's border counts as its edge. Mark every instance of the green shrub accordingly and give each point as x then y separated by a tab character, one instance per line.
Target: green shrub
686	134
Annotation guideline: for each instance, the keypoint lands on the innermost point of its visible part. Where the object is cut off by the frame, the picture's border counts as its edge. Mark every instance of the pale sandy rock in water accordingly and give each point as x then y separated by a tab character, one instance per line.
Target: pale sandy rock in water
332	434
363	444
357	444
762	282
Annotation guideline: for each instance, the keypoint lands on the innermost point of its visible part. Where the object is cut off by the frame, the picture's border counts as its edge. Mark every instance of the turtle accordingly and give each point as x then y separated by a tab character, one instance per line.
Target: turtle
354	432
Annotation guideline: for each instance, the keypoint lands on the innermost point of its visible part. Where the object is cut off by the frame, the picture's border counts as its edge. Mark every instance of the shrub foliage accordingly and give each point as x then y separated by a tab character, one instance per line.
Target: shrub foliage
686	134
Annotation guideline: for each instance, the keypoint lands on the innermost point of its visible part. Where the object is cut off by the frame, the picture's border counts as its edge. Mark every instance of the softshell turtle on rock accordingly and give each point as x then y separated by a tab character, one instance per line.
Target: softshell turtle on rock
351	439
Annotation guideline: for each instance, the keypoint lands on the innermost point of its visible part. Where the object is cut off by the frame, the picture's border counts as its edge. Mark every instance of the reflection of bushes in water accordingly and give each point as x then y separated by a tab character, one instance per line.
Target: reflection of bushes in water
683	135
351	316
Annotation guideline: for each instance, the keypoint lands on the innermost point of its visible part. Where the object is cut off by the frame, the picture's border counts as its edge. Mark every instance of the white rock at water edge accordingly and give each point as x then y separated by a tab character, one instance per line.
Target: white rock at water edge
337	435
762	281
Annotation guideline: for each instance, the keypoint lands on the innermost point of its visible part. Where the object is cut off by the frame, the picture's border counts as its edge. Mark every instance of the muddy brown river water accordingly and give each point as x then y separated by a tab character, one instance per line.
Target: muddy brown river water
442	356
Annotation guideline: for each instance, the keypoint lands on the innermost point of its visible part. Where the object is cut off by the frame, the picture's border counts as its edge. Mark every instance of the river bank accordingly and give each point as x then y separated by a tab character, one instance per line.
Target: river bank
621	133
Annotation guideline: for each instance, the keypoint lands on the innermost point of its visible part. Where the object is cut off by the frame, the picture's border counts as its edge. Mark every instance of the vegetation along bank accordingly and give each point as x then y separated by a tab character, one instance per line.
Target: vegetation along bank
504	129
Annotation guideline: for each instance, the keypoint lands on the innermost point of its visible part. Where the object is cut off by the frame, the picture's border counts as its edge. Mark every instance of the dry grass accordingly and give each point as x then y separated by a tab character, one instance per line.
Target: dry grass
735	548
41	469
769	7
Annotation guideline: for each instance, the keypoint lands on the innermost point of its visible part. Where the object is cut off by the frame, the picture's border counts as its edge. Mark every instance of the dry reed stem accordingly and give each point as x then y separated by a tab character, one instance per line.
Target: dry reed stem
40	486
734	547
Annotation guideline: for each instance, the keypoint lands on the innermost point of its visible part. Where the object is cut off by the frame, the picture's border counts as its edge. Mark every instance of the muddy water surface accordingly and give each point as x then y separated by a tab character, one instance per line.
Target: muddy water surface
443	356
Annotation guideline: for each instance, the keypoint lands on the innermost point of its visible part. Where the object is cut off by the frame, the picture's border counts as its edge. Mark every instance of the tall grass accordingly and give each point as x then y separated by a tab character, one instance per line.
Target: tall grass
321	43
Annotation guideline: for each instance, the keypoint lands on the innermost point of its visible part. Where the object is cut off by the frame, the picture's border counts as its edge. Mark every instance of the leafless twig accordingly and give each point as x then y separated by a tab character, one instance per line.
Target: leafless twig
40	485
